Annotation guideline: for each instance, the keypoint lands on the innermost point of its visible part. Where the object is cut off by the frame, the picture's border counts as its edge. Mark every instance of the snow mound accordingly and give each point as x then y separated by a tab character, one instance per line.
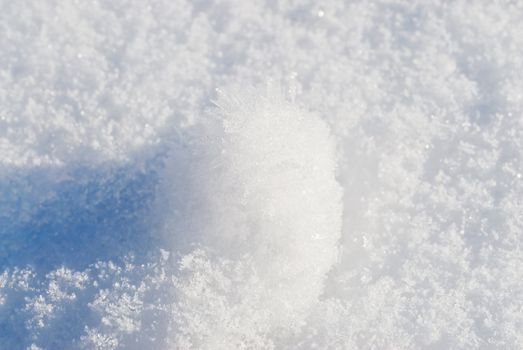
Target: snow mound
264	208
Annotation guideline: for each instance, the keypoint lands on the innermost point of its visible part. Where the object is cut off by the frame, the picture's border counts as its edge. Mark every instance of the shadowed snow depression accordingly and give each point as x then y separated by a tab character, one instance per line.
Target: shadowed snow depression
261	174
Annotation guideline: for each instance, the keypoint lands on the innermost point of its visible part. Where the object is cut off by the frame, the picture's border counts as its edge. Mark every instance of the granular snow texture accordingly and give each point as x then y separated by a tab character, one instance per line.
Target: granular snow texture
278	174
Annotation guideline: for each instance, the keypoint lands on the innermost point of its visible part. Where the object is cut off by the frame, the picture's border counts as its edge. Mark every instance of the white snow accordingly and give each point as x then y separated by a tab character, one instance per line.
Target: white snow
260	193
356	185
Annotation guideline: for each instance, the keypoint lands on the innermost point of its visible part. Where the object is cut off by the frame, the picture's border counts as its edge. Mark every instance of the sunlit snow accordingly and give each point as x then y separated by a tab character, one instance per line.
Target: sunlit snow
278	174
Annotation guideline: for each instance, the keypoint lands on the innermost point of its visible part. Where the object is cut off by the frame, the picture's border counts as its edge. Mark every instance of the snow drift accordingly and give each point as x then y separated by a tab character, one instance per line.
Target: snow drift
261	203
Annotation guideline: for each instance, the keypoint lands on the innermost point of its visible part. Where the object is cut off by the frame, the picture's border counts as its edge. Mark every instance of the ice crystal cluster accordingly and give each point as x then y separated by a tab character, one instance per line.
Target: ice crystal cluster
260	194
276	174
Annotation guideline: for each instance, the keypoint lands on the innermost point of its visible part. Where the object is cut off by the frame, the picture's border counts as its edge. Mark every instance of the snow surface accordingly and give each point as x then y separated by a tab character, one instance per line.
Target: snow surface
277	174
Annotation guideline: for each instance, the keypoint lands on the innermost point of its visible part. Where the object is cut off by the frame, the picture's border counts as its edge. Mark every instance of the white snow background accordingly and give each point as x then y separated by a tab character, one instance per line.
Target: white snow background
279	174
